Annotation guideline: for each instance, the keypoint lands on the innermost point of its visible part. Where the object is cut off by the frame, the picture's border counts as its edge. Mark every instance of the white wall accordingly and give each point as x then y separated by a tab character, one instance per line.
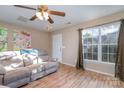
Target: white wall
100	67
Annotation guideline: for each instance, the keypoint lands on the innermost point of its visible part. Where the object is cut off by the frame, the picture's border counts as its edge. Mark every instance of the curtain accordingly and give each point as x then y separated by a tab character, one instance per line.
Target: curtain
79	64
119	66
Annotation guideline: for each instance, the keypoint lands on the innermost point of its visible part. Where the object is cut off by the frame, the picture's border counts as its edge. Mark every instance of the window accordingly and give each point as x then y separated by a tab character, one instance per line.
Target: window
3	39
100	43
90	39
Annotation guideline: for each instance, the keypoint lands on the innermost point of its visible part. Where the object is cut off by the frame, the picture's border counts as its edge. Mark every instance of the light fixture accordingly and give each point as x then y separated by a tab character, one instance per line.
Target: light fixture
49	26
39	15
45	14
42	16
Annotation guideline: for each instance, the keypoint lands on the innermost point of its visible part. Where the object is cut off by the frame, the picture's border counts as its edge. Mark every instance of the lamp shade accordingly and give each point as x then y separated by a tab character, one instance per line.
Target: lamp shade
39	15
45	14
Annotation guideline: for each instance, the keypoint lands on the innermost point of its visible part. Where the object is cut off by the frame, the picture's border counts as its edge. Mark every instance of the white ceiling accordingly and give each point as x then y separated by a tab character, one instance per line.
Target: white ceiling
74	13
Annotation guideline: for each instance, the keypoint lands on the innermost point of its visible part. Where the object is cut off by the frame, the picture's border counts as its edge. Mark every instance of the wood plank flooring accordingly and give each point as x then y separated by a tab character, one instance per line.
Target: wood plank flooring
70	77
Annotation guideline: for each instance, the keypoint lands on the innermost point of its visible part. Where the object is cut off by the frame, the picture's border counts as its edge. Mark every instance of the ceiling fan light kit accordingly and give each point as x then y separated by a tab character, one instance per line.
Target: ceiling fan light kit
46	16
39	15
42	15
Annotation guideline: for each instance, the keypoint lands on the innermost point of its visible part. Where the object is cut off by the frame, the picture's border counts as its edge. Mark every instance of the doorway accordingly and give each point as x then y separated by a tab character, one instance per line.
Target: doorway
57	47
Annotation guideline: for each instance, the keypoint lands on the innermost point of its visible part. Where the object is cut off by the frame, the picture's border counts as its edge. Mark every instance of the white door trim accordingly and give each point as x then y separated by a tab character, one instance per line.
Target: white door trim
57	47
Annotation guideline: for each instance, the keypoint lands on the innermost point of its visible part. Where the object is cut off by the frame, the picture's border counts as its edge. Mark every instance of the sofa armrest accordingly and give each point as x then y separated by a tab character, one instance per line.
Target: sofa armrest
2	70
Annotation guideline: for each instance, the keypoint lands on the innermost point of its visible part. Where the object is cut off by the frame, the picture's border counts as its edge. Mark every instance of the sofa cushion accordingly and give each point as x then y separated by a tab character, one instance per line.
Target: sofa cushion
2	70
27	62
16	61
36	68
3	58
44	58
15	75
7	55
12	63
29	59
17	65
5	63
1	54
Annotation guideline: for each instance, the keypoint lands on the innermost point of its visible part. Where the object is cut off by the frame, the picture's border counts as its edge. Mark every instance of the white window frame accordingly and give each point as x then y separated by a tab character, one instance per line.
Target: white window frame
99	49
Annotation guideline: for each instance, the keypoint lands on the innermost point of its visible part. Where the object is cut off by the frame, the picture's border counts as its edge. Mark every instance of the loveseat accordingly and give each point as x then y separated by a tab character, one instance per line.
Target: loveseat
17	70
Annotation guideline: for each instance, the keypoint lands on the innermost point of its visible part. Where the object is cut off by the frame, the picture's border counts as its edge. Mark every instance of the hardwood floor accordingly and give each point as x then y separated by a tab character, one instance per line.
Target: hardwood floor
70	77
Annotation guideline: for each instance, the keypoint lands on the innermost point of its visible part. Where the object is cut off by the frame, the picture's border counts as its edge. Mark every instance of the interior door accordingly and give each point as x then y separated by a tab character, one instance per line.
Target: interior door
57	47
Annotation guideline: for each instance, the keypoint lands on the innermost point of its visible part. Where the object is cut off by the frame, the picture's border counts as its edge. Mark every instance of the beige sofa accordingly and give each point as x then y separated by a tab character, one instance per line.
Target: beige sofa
17	70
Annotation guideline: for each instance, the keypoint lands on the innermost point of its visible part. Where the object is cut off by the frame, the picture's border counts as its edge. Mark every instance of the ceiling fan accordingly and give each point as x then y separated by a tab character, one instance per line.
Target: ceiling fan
42	12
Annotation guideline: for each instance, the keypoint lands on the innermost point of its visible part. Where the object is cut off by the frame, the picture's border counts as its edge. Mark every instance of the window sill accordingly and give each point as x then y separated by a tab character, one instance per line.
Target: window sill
99	62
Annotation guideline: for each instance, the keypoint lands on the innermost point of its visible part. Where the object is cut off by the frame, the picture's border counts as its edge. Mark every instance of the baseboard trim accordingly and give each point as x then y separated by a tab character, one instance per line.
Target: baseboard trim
69	64
99	72
89	69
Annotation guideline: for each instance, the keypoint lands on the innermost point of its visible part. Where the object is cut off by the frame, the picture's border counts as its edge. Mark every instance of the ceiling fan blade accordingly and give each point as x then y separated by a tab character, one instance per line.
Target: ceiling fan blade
56	13
33	18
21	6
50	20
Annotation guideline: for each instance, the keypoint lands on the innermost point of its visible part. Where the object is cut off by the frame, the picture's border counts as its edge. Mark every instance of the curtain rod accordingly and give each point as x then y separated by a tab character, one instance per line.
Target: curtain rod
100	24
